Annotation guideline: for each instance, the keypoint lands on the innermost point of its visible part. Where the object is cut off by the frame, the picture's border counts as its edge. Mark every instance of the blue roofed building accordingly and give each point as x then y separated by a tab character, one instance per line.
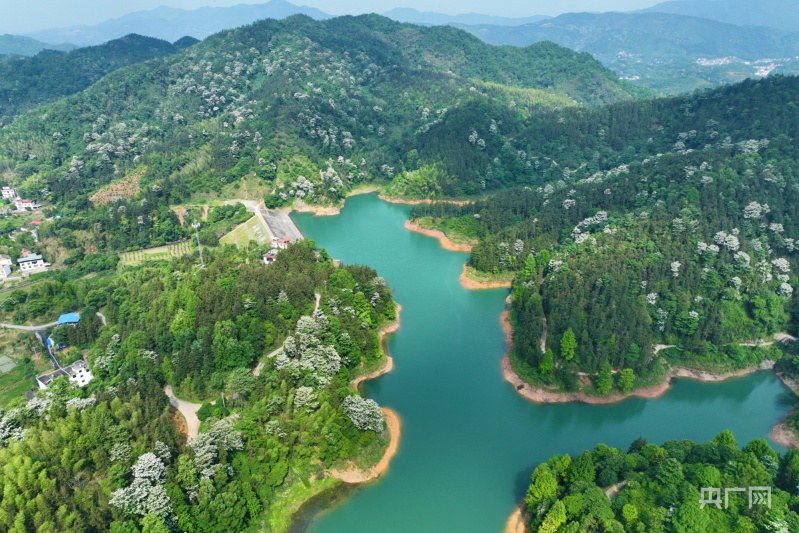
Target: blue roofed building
69	318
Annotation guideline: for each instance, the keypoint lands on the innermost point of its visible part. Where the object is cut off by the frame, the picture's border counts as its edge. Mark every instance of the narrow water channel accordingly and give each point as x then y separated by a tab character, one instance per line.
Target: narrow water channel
469	442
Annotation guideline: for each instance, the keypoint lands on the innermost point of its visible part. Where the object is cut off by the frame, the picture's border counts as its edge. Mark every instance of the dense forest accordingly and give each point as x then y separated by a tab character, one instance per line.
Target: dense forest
26	82
309	109
660	489
658	224
108	457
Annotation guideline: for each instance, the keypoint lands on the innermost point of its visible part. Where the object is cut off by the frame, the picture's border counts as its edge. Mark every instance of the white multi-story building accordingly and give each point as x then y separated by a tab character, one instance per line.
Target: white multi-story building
31	262
26	205
9	193
78	373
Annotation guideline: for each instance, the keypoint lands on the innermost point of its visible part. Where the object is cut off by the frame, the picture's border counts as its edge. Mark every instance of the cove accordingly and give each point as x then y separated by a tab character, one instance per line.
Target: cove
469	441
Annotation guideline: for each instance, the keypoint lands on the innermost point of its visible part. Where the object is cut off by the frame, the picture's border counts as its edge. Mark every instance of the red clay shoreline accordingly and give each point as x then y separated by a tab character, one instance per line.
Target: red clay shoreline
352	474
445	242
540	395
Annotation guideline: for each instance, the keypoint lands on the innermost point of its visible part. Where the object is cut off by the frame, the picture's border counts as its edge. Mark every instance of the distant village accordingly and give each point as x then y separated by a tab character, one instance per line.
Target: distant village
28	263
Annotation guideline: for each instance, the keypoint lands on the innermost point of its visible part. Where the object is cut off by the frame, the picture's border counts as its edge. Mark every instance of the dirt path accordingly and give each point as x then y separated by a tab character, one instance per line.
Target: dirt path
353	474
260	366
188	410
445	242
611	491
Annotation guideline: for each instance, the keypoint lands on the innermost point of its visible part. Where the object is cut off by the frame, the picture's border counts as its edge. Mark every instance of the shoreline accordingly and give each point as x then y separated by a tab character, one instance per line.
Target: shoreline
388	364
474	285
329	210
517	521
354	475
781	433
540	395
394	200
443	240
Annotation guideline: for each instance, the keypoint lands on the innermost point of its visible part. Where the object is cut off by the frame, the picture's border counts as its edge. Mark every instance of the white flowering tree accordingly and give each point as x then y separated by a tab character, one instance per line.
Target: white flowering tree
364	414
146	495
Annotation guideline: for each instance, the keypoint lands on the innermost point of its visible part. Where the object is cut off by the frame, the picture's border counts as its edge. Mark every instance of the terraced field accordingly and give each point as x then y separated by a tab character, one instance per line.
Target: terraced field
166	252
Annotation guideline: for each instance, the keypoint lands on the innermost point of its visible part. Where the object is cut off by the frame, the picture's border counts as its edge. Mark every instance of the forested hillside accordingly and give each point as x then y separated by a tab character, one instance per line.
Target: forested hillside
659	488
109	456
309	108
666	222
50	75
17	45
670	53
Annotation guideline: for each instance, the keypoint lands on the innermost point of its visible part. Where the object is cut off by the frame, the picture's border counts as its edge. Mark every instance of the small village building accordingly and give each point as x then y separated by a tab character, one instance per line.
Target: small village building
69	318
26	205
5	261
31	262
270	257
9	193
5	271
281	244
78	373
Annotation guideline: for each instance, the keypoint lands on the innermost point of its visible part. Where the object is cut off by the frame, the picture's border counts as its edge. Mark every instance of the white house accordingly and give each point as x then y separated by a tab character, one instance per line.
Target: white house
9	193
78	373
26	205
281	244
5	271
5	261
31	262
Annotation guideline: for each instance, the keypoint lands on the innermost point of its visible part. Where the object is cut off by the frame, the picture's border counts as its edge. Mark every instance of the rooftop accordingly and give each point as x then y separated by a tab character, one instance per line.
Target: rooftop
69	318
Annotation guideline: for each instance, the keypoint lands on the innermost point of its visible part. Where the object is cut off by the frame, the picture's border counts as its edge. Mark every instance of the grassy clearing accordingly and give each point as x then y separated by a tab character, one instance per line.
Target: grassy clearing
15	349
166	252
488	277
252	230
289	501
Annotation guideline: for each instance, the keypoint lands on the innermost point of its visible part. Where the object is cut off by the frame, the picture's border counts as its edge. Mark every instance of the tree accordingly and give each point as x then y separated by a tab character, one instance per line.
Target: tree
581	469
555	518
626	380
529	266
568	345
604	381
543	486
364	414
547	363
632	355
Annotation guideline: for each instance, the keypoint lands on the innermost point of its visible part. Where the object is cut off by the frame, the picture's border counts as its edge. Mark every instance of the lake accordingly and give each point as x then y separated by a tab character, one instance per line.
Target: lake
469	441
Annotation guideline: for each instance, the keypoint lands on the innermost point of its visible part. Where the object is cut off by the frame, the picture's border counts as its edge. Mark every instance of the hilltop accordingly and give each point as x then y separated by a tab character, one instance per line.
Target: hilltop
29	81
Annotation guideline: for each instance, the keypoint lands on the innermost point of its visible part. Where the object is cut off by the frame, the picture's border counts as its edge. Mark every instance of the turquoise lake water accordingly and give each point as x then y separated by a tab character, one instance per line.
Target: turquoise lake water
469	441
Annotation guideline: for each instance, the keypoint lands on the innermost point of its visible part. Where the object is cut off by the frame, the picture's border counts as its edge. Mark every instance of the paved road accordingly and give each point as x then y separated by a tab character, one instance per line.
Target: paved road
43	326
30	328
188	410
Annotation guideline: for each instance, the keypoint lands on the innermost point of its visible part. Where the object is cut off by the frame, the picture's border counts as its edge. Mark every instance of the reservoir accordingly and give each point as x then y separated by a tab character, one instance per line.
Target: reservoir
469	441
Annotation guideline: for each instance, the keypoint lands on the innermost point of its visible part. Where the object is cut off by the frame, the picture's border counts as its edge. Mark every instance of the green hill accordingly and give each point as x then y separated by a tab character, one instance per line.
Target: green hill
339	102
27	46
668	222
671	53
49	75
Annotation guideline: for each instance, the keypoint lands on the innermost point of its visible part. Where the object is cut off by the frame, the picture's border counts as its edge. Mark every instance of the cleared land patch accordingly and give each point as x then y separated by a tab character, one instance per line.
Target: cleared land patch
126	187
166	252
252	230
